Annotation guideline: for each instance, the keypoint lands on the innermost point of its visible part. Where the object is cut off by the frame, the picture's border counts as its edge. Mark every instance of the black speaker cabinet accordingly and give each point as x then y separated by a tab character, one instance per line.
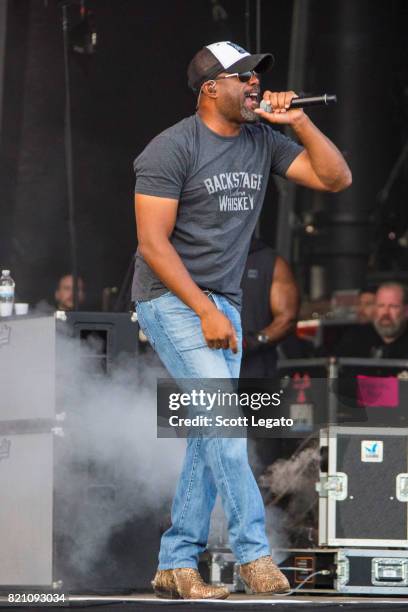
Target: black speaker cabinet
102	544
105	337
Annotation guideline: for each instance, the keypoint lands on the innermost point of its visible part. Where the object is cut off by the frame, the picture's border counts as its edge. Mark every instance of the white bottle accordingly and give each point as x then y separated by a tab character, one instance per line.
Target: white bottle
6	294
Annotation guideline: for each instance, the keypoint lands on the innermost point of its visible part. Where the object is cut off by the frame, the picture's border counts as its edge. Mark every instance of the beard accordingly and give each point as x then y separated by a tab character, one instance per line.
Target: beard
389	329
234	108
248	115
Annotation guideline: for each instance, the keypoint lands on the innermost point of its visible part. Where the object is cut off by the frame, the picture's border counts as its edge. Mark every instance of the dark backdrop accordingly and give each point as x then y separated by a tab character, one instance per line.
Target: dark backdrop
135	86
132	88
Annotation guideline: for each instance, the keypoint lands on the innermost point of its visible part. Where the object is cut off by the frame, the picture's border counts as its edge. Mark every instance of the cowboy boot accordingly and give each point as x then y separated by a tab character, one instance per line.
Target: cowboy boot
185	583
263	576
164	586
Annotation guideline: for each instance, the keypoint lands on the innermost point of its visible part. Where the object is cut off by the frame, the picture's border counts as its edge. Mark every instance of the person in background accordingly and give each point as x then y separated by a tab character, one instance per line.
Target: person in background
270	305
64	293
387	335
365	305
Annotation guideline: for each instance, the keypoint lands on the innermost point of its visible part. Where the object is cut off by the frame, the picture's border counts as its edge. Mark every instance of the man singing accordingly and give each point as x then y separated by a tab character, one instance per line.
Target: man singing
199	190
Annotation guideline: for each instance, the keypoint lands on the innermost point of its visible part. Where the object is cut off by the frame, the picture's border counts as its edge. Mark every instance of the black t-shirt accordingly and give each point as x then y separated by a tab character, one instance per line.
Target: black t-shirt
364	342
256	309
256	287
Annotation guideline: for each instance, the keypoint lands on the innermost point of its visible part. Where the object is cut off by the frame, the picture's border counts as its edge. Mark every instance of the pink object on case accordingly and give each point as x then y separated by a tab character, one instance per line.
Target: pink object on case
375	391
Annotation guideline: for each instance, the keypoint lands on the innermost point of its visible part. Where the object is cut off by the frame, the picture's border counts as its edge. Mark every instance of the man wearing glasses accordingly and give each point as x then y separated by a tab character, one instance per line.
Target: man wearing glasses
199	190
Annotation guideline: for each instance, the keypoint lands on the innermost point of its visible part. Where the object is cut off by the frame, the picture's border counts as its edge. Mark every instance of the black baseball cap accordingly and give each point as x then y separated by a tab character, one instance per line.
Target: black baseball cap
213	59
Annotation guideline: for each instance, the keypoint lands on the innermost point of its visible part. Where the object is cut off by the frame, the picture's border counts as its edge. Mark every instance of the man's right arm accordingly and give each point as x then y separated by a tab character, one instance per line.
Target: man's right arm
284	302
155	220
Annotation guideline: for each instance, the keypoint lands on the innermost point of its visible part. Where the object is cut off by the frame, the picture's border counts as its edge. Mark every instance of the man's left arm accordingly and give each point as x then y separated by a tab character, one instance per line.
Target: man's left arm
320	166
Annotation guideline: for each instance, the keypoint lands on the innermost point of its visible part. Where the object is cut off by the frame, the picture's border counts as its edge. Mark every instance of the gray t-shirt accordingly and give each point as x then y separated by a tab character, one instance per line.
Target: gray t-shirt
220	184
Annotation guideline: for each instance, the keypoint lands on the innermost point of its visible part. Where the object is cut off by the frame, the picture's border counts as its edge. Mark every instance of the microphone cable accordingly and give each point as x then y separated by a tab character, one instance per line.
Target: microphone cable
325	572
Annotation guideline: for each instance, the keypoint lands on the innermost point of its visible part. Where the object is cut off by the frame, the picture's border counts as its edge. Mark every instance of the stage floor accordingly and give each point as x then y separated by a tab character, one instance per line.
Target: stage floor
240	602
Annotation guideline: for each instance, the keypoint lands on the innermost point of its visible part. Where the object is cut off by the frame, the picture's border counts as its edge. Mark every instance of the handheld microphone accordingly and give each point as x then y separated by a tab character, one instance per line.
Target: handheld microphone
304	102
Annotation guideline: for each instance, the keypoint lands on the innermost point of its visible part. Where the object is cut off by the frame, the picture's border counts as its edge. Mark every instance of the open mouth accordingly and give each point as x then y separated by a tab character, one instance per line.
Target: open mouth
252	99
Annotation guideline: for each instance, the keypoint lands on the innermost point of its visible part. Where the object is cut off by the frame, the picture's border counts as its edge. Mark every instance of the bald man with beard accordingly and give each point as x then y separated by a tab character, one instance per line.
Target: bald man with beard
387	336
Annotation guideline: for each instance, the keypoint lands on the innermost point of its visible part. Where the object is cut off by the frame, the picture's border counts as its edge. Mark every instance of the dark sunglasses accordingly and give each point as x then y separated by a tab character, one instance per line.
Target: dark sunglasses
244	77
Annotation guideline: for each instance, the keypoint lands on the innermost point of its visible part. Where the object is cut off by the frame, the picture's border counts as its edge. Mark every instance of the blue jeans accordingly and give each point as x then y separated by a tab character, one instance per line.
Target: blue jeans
212	464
